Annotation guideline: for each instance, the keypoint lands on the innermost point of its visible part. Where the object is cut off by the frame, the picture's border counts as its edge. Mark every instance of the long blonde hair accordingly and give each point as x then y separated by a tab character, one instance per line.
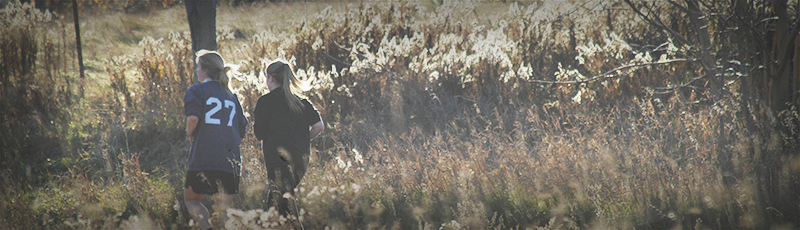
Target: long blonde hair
212	62
292	87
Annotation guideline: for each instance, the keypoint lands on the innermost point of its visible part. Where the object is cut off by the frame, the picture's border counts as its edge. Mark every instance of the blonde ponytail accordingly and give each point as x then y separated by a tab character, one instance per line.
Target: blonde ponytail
223	78
292	87
212	62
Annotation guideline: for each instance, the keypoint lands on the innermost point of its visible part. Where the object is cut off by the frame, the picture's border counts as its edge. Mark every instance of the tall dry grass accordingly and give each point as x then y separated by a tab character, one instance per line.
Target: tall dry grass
438	116
35	91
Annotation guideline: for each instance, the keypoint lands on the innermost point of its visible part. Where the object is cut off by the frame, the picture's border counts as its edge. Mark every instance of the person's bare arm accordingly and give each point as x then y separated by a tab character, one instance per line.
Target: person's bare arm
316	129
191	124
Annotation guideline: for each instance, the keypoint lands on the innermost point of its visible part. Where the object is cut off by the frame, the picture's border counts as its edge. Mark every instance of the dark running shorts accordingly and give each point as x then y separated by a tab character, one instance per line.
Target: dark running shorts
208	181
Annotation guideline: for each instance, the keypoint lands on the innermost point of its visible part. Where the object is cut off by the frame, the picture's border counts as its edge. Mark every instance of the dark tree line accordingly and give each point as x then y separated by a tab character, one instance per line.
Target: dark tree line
749	52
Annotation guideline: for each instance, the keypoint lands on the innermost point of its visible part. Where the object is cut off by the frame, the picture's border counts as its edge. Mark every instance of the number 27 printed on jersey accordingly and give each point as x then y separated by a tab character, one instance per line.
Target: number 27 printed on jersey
217	107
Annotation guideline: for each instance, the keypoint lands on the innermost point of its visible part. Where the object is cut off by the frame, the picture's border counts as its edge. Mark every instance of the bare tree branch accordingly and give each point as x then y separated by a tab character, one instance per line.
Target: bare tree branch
610	73
657	24
682	8
663	90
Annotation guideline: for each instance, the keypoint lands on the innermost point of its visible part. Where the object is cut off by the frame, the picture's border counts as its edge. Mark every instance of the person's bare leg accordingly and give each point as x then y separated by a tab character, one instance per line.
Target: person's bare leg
222	202
196	208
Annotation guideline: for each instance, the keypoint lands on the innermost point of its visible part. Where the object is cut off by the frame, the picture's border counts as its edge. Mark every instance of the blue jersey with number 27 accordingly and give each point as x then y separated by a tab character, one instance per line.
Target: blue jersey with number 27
220	127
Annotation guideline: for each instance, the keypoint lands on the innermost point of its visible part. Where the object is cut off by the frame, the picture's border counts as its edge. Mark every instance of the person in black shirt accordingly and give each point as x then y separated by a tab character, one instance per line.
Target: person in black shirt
285	123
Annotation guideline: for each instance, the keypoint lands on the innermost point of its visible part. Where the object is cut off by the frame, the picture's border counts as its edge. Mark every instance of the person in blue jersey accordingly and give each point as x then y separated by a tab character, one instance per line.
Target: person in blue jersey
215	125
285	122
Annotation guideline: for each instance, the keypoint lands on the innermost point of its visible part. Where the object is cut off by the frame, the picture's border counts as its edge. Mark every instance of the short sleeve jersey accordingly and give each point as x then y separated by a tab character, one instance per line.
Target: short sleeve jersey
220	127
277	126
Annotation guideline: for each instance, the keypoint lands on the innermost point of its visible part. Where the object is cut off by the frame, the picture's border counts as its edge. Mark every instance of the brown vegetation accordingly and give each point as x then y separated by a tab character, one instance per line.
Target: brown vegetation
449	115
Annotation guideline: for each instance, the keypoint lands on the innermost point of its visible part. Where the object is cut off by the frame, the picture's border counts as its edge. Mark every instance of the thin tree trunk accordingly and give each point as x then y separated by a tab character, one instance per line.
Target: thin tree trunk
783	46
708	60
78	42
771	163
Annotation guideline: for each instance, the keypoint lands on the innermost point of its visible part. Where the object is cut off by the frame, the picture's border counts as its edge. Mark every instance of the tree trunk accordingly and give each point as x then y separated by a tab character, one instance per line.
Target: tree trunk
781	84
783	46
708	61
76	18
796	78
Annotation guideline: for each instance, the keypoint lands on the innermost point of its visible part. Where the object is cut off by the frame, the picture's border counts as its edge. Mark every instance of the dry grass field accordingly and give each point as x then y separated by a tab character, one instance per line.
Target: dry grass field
439	115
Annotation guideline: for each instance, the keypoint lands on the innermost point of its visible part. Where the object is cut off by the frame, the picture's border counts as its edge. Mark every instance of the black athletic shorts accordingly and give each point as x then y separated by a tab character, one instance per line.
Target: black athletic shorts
208	182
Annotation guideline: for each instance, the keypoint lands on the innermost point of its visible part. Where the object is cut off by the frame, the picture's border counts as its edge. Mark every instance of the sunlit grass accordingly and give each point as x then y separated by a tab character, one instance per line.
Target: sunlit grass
432	123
